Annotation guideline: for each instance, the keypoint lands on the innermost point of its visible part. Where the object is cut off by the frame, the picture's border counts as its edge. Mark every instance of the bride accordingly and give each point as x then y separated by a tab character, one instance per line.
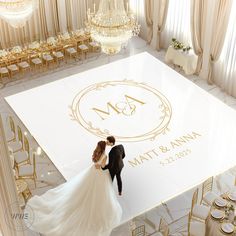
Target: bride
84	206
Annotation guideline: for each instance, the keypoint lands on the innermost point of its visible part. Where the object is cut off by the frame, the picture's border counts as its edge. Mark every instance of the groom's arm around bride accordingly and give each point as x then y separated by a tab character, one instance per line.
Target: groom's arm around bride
115	164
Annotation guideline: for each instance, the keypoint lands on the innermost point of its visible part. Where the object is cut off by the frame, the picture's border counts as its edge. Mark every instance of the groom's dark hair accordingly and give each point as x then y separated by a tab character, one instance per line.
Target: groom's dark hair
111	139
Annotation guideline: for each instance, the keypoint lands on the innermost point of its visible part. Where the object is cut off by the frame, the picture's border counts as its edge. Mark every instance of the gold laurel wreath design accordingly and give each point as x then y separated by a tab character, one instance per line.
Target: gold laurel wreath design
165	107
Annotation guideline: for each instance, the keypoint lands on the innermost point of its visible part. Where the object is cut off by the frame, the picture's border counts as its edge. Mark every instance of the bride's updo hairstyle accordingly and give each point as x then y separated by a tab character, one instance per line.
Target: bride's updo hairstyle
99	151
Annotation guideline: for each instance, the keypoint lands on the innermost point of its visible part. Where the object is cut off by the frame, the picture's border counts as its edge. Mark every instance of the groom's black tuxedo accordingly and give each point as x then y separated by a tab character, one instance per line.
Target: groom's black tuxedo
115	165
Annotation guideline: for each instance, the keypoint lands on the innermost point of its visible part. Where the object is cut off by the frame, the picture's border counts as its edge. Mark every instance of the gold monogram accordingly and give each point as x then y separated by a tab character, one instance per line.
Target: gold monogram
127	107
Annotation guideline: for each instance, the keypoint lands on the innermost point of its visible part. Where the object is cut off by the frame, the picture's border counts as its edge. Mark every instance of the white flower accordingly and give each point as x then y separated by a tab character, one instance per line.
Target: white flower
51	41
79	32
16	49
3	53
34	45
65	36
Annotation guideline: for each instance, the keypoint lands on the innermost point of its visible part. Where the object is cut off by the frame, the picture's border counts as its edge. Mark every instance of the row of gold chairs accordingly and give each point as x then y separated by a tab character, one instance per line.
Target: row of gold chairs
45	56
24	166
45	59
200	209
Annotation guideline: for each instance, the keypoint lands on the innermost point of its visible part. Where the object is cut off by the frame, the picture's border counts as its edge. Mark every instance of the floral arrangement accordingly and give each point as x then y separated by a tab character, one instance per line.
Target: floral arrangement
34	45
178	45
3	53
79	32
51	41
16	49
65	36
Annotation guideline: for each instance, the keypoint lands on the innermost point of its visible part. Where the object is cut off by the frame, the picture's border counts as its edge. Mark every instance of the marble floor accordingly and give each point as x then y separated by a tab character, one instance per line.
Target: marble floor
175	211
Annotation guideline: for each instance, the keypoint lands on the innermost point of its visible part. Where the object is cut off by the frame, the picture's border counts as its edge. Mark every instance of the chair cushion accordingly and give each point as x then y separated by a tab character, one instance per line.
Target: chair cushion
15	145
36	61
26	170
71	50
210	197
21	156
23	64
9	134
13	67
201	211
94	44
47	57
197	228
83	47
3	70
58	54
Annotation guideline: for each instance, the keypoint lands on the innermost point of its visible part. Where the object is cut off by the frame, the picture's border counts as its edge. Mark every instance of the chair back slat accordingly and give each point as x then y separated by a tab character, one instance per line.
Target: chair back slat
163	227
207	186
12	124
26	145
139	231
20	135
194	199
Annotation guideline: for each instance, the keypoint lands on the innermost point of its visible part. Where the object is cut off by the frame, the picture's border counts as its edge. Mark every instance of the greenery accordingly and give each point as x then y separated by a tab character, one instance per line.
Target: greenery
178	45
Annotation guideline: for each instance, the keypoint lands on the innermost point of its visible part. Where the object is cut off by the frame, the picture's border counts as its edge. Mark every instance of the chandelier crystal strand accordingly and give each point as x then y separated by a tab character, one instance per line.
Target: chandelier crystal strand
112	26
17	12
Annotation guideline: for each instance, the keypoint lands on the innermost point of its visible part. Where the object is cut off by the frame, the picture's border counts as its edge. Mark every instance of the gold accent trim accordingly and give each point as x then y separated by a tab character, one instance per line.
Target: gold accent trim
161	128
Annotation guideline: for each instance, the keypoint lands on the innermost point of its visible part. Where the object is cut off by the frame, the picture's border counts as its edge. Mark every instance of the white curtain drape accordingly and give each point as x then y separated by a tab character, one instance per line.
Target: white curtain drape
224	70
161	20
198	29
220	25
138	7
149	19
177	23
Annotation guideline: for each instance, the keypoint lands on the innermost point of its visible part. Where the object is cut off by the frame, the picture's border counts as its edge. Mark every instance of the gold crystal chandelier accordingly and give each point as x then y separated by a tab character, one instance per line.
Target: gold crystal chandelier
112	26
17	12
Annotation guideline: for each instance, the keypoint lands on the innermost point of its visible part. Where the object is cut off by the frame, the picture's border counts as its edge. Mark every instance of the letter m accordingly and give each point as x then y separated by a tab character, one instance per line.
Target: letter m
102	113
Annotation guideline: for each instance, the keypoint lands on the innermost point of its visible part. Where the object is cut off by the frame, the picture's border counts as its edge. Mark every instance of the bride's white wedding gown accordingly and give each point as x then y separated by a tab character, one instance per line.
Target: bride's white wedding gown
84	206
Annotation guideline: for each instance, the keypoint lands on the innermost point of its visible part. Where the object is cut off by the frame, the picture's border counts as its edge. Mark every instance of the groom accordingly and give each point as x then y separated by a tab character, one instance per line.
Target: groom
115	165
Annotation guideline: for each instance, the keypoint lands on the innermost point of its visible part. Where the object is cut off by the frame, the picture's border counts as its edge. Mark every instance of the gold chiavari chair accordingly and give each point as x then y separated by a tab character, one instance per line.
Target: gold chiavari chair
4	72
36	61
208	196
58	54
163	227
24	64
12	134
196	228
18	144
23	157
70	51
94	47
198	212
28	171
83	49
139	231
48	59
12	66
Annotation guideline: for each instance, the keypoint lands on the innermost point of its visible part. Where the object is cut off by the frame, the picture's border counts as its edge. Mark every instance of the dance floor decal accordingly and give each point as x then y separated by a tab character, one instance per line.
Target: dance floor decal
174	133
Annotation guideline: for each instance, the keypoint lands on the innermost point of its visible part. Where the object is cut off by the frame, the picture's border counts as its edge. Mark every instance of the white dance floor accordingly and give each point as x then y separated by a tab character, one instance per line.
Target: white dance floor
174	133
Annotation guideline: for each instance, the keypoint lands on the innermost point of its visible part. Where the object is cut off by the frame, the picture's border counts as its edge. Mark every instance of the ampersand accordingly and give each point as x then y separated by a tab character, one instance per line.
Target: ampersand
164	149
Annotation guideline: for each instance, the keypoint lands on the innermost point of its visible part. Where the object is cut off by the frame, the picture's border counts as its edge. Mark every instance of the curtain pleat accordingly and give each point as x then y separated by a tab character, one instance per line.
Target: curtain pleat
221	19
